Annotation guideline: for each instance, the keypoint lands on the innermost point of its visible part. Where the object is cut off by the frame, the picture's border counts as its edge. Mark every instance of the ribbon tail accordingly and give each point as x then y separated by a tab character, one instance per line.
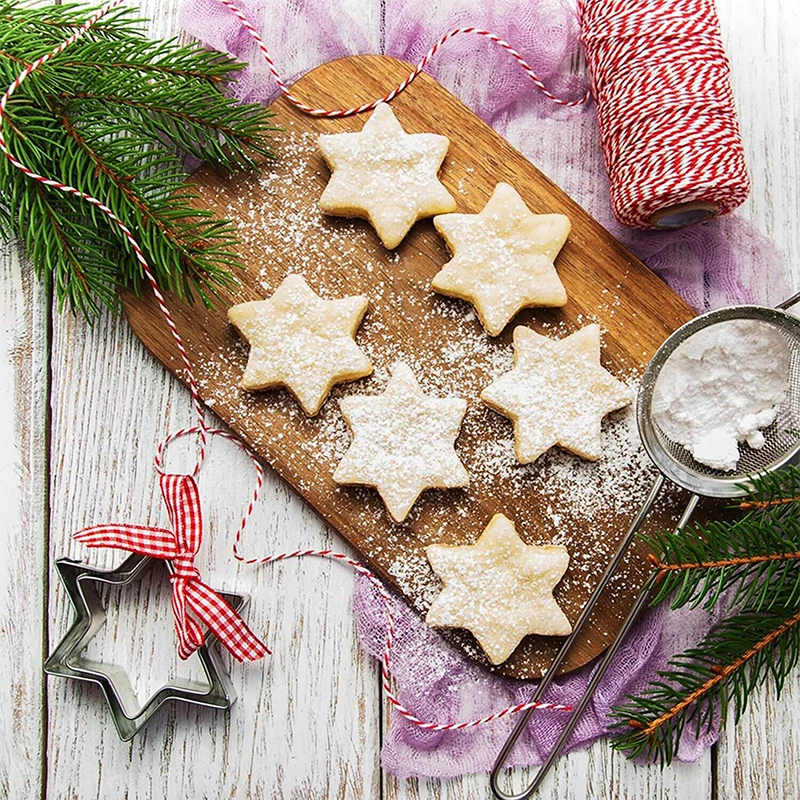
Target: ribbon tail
190	635
231	630
153	542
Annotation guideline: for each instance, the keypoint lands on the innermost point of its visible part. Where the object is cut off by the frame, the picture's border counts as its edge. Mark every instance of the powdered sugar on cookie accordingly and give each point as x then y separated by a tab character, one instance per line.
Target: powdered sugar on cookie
385	175
502	258
302	342
499	588
403	442
557	393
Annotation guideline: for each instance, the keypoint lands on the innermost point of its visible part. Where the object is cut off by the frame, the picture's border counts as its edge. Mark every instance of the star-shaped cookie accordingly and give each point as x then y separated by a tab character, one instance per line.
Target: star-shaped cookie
385	175
403	442
557	393
502	258
499	588
300	341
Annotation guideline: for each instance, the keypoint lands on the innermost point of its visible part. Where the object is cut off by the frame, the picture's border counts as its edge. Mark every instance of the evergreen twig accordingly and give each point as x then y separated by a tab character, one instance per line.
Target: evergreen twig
758	551
758	559
701	685
115	115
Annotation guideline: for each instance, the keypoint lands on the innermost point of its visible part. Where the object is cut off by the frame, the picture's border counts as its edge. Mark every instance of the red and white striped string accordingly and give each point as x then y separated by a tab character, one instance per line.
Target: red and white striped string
203	431
386	660
348	112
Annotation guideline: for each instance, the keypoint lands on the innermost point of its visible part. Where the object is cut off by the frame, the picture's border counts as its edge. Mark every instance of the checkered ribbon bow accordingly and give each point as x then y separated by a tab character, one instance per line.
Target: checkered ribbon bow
192	600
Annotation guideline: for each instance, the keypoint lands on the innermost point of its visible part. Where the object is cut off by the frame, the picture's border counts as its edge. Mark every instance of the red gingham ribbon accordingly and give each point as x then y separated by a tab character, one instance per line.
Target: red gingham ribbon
192	600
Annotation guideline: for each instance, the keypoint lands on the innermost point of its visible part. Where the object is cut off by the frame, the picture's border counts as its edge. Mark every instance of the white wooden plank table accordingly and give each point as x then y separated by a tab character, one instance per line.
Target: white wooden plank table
82	410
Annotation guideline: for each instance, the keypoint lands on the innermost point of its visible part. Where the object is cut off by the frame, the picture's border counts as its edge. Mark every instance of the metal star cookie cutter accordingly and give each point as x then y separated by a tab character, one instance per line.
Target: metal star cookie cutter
80	580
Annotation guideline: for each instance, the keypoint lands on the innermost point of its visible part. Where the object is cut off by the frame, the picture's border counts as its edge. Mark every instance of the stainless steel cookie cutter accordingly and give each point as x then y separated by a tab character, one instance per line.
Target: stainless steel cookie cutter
81	582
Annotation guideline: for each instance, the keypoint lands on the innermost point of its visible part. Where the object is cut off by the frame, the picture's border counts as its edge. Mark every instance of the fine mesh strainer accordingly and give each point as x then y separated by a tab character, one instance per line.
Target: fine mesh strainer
782	437
676	463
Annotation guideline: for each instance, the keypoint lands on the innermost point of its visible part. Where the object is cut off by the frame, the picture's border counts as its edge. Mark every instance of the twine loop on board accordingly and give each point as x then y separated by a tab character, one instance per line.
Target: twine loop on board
660	78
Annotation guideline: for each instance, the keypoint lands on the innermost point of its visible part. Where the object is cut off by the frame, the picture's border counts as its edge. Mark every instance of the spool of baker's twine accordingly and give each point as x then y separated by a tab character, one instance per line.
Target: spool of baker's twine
668	125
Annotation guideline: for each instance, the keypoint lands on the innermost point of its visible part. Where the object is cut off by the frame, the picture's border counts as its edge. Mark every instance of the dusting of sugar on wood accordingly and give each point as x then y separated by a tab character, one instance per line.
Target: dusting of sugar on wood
558	499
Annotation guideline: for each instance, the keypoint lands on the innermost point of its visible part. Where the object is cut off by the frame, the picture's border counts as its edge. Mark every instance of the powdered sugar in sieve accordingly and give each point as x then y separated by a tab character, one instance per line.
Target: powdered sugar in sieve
742	368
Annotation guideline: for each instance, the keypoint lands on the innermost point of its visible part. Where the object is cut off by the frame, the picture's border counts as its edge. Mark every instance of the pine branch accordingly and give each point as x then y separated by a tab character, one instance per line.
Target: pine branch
775	490
758	554
115	115
185	245
758	557
705	682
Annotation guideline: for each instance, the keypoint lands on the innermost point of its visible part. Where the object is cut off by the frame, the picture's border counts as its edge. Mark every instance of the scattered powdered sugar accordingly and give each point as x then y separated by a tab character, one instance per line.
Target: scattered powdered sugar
278	218
560	498
720	387
575	487
414	577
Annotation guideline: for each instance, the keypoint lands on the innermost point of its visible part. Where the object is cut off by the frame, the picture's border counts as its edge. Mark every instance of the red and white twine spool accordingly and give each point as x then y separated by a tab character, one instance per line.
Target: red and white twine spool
665	109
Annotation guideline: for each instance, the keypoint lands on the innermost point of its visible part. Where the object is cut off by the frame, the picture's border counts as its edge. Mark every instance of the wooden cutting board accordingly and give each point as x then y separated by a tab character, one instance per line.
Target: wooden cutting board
560	498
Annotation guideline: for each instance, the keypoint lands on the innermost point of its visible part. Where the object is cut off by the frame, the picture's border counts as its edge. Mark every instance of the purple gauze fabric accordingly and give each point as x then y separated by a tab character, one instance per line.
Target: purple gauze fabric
722	262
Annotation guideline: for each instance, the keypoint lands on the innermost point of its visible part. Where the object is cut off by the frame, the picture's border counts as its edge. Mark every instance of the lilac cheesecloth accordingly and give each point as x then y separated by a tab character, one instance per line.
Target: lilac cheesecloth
722	262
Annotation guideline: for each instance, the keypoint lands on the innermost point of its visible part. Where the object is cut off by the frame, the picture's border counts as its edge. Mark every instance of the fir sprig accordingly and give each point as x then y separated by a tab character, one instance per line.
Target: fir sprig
705	683
757	554
115	115
757	558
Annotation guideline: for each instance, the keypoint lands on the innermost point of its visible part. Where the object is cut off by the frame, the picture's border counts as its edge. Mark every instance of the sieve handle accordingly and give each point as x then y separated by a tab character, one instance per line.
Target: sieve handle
789	302
602	667
561	656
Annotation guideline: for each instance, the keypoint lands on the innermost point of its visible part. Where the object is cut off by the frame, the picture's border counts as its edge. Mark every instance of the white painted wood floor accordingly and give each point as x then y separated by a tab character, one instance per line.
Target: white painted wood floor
82	410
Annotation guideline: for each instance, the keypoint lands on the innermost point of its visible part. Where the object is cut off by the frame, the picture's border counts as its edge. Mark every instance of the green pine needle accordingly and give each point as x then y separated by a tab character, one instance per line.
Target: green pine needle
115	115
758	558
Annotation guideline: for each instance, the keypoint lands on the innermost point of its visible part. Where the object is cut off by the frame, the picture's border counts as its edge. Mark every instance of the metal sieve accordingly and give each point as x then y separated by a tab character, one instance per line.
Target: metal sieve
676	463
782	437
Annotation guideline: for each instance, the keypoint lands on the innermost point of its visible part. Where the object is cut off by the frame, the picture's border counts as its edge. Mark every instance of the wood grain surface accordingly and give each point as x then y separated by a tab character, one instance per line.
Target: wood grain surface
282	231
311	724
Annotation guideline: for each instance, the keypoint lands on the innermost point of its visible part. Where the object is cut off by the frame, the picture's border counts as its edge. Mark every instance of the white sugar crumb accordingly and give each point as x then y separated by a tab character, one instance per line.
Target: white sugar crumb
720	388
415	578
